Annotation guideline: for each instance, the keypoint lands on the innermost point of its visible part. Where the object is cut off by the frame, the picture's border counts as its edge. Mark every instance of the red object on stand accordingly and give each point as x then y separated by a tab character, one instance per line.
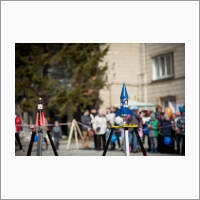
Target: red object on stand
42	121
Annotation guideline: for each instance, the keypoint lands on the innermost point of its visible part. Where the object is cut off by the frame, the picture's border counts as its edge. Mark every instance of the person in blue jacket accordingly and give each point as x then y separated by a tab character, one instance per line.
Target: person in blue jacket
167	132
181	126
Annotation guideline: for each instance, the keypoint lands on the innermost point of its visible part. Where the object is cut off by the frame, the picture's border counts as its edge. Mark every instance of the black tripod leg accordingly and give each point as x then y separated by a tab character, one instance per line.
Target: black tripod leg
52	144
140	142
108	142
31	143
39	144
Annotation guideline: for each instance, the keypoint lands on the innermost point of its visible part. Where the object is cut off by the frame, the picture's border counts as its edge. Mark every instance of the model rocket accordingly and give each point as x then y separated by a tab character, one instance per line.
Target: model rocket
124	110
40	121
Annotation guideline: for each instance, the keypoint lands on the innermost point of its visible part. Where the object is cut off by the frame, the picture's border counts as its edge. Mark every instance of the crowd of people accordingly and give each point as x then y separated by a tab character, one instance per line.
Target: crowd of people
97	125
159	125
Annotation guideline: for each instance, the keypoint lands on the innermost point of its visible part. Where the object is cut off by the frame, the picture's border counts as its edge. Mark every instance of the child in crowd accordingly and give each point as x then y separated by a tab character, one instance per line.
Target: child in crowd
57	134
153	133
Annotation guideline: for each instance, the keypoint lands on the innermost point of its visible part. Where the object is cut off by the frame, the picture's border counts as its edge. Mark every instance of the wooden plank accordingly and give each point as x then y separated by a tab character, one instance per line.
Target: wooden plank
75	130
79	131
70	135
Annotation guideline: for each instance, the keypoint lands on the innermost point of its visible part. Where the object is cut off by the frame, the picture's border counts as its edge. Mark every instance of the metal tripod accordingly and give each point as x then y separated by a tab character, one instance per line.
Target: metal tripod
39	143
125	127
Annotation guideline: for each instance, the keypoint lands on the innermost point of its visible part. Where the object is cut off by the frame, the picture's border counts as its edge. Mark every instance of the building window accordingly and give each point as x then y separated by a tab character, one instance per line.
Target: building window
163	66
165	103
169	102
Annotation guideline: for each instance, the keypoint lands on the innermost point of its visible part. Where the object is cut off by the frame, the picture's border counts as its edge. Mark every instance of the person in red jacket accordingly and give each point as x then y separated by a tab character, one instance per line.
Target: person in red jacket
17	130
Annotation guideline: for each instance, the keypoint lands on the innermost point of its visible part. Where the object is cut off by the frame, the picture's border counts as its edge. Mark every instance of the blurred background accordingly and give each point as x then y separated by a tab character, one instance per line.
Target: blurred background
154	74
73	77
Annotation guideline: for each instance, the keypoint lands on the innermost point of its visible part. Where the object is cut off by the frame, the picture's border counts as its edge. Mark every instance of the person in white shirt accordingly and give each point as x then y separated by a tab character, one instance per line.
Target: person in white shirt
111	117
111	121
100	125
93	114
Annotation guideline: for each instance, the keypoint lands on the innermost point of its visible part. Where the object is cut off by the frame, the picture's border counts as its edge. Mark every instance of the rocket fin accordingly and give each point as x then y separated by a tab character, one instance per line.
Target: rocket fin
124	111
118	113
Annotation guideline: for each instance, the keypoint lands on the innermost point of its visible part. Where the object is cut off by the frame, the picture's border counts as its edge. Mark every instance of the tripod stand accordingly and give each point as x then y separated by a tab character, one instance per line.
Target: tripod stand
39	144
40	121
125	127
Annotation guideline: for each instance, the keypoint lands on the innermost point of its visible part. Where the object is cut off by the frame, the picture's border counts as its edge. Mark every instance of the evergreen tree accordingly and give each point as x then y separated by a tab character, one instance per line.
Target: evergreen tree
68	77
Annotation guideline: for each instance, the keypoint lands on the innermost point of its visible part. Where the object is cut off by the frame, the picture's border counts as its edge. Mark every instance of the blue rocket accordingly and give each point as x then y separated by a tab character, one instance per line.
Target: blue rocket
124	110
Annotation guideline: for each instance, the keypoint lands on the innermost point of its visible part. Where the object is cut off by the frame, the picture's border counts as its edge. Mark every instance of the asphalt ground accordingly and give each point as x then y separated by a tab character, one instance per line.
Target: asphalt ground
79	152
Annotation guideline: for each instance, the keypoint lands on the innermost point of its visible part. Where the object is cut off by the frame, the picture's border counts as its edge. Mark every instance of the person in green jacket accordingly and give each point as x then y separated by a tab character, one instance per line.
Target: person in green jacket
153	133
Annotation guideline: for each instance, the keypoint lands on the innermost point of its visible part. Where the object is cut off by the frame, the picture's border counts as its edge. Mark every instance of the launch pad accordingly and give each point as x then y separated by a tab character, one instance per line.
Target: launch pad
124	112
125	127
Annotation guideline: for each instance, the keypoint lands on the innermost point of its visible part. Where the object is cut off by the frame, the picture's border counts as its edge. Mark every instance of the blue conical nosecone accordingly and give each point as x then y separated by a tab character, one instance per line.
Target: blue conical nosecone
124	94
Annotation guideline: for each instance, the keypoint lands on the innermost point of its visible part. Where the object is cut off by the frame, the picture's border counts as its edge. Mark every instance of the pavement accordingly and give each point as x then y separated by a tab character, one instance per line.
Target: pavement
80	152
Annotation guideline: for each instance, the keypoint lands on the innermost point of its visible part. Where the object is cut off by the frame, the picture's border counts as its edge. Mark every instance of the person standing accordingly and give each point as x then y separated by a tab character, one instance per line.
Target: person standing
145	121
181	126
177	133
159	114
57	134
86	120
93	114
100	125
111	116
140	129
119	133
149	111
111	122
153	133
107	110
167	132
173	131
17	130
135	119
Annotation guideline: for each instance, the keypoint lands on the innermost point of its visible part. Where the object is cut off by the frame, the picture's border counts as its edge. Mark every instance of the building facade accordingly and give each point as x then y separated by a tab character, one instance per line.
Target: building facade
154	73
